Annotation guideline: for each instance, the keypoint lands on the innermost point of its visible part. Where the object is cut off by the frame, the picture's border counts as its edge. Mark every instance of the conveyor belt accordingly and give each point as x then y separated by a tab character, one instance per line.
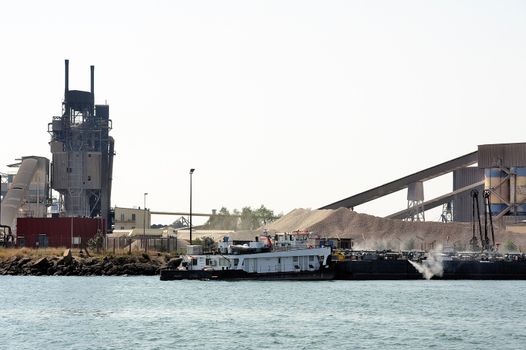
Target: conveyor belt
430	204
397	185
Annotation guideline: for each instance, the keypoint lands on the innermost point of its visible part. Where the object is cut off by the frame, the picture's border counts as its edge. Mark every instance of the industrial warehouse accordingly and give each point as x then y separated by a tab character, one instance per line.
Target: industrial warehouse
490	180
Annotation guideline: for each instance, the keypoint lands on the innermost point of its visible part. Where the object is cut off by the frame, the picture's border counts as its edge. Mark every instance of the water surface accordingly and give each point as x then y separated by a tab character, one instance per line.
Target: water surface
145	313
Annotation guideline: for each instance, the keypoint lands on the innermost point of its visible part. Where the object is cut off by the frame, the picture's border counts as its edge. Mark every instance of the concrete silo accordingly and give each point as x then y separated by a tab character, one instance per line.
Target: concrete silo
505	176
82	153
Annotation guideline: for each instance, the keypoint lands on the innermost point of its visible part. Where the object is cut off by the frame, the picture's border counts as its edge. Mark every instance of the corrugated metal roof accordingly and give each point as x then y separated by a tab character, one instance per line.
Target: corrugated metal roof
503	154
462	204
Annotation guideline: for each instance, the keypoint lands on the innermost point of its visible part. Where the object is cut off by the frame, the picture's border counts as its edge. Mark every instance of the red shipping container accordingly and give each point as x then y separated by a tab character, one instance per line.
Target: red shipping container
57	232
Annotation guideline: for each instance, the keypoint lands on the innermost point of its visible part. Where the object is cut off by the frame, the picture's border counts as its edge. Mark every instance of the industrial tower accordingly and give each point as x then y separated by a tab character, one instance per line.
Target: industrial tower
82	153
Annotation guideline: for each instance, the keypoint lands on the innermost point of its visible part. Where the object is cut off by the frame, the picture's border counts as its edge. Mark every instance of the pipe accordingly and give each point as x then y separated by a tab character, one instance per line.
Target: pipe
66	76
191	172
92	68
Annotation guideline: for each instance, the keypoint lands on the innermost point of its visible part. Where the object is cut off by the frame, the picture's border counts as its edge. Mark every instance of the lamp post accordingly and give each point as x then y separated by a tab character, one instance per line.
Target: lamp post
191	172
144	224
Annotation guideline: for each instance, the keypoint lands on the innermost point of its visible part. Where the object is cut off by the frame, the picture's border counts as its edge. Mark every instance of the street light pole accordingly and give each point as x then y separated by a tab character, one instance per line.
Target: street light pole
191	172
144	224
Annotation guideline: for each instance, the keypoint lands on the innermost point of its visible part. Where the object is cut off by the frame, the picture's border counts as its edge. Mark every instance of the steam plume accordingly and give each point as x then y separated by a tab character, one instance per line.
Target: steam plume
432	266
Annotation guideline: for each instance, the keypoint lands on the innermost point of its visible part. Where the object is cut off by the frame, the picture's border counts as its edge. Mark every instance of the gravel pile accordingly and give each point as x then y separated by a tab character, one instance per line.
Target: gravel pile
371	232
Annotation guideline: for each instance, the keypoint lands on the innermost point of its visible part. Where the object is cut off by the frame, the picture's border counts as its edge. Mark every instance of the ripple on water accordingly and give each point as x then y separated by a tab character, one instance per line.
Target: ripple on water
145	313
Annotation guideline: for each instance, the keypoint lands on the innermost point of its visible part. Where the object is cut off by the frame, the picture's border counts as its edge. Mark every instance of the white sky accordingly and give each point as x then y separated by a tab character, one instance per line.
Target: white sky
283	103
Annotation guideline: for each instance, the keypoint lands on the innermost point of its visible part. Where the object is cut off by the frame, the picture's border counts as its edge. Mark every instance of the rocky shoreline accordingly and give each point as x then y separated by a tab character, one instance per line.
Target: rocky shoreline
68	265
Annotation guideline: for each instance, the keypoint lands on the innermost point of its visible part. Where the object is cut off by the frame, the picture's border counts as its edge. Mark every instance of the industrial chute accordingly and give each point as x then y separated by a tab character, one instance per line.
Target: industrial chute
16	194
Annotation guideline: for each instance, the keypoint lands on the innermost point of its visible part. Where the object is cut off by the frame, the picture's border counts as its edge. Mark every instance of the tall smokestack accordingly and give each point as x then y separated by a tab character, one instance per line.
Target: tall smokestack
66	76
92	85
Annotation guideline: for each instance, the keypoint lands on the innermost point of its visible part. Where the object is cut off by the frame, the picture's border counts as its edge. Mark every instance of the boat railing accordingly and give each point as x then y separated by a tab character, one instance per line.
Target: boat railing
289	248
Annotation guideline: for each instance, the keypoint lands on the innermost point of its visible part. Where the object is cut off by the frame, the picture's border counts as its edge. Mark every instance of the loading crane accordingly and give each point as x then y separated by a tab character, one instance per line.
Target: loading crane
484	241
475	217
487	213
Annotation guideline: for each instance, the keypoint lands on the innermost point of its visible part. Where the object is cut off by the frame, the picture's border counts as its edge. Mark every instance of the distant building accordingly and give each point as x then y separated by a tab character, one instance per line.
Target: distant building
131	218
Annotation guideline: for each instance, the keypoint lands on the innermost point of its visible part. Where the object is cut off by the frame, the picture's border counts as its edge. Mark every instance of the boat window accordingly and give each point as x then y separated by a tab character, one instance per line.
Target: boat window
236	261
311	258
194	261
295	259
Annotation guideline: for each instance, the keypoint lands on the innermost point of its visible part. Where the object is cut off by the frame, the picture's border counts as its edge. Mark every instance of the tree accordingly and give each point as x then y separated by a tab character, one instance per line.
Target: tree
246	219
221	221
96	242
208	244
264	215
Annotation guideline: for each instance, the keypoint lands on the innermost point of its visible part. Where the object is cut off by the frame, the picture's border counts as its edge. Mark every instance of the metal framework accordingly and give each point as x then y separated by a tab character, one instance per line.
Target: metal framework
82	153
415	202
415	210
447	212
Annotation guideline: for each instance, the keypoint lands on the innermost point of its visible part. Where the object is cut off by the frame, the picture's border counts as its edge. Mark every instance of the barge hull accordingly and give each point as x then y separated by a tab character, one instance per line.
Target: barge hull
238	275
376	270
403	270
484	270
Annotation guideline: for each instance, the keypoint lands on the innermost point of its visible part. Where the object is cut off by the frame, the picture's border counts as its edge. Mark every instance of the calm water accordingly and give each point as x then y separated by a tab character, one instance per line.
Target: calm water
145	313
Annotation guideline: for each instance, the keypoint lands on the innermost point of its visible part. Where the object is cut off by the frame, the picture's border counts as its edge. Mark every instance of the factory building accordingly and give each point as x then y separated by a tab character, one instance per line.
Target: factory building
82	153
80	171
131	218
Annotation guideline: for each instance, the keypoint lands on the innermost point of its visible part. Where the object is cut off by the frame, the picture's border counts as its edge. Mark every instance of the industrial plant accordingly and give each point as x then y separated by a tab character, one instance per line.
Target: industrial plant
80	171
501	169
67	201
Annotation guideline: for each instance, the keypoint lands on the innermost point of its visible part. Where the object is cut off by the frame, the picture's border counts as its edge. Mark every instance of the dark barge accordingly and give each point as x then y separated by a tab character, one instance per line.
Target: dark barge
386	265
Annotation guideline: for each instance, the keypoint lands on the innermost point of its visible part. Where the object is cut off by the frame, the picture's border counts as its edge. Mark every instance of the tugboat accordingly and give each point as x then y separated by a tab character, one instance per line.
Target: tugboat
285	257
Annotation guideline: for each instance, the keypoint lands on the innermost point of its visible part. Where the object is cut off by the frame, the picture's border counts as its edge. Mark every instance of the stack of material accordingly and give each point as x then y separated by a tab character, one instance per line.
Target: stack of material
371	232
